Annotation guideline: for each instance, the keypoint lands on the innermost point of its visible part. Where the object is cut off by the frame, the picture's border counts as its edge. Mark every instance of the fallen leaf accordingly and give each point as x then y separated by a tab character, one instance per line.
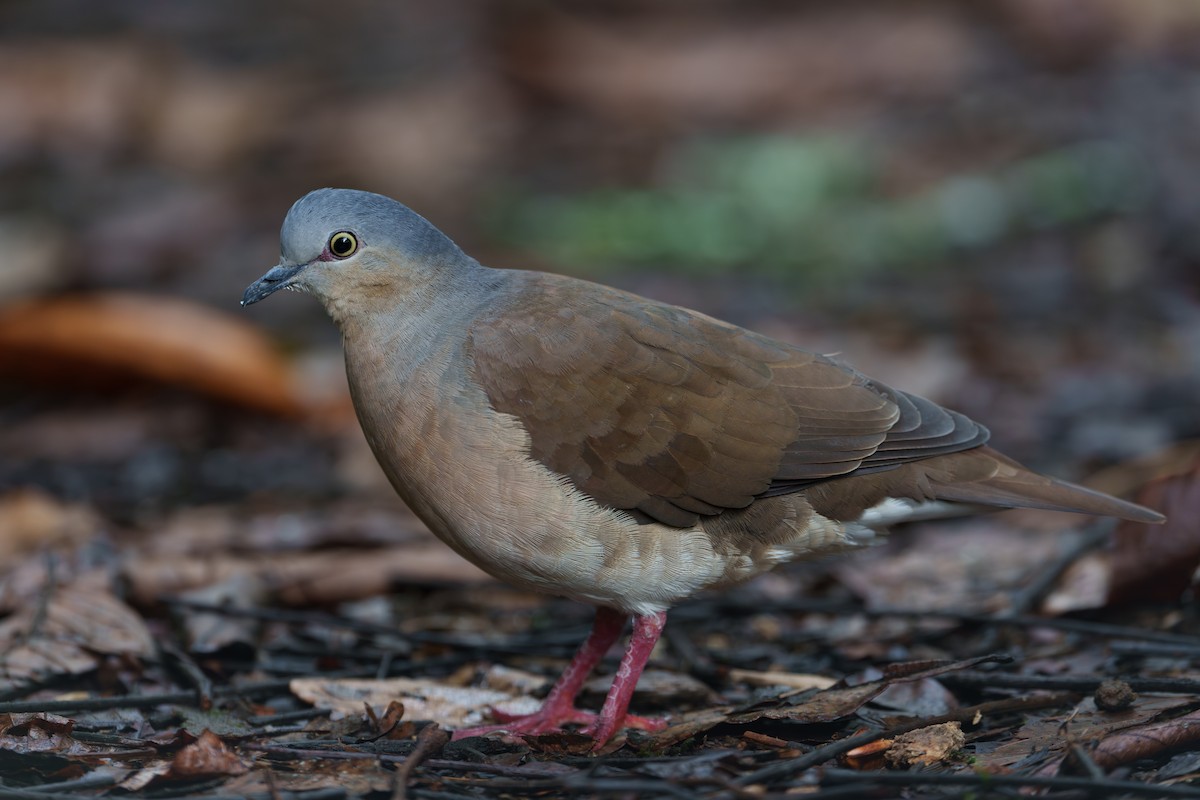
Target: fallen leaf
212	632
792	680
392	724
41	745
306	579
450	706
31	520
24	724
827	705
1147	741
1044	741
64	635
1157	563
925	746
976	565
839	702
206	757
110	338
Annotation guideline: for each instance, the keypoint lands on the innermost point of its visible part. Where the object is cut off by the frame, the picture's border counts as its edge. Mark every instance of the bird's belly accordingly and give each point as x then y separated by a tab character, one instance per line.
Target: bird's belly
464	469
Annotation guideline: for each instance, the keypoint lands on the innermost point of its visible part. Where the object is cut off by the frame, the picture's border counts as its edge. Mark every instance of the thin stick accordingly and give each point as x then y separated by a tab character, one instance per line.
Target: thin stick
1093	786
430	741
820	755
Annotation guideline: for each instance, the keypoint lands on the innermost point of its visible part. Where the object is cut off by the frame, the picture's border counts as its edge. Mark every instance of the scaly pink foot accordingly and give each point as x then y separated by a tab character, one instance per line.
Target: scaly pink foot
559	708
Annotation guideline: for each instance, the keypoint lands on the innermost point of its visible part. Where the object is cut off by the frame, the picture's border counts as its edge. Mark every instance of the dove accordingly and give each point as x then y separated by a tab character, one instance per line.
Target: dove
578	440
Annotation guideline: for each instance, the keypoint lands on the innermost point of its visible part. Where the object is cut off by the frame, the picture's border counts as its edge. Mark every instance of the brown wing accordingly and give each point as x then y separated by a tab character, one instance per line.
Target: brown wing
656	408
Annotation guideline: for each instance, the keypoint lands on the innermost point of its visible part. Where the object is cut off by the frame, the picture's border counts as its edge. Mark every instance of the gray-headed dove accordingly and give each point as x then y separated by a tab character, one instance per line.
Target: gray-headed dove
579	440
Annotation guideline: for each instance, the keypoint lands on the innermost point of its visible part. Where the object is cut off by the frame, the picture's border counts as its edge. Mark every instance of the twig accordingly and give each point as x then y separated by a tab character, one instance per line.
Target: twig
1093	787
95	780
1087	762
335	793
29	794
272	788
429	794
1072	683
527	771
1154	648
259	689
586	784
430	741
303	715
820	755
1028	597
191	672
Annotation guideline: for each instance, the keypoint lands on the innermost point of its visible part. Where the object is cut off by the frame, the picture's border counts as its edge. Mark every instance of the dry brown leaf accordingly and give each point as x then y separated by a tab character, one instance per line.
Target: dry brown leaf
841	701
509	680
925	746
206	757
975	566
110	338
449	706
212	632
63	635
792	680
322	578
1128	478
44	541
31	520
1157	563
147	774
23	724
1045	740
43	733
208	529
1147	741
689	724
392	724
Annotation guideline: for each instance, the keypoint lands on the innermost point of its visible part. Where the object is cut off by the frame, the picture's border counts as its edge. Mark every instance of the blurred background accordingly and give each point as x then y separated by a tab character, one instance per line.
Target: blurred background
991	203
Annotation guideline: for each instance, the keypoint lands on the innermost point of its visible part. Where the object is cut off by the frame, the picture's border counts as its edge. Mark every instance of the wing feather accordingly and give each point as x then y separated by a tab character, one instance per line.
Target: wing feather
654	408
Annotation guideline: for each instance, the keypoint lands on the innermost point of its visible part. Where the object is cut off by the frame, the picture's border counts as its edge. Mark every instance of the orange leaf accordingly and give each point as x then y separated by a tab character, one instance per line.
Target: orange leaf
115	337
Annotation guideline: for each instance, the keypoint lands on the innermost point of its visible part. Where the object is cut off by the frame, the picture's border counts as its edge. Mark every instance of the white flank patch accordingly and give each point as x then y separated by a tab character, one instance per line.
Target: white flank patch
895	510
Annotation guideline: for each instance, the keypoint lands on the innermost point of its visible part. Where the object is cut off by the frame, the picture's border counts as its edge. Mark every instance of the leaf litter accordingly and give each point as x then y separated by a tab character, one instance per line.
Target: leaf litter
213	578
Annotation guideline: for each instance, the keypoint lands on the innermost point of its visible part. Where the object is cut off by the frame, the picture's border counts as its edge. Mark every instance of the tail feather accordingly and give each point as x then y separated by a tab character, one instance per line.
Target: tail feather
1011	485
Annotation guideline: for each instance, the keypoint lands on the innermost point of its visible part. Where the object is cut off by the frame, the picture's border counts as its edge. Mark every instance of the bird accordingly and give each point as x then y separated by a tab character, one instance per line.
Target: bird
582	441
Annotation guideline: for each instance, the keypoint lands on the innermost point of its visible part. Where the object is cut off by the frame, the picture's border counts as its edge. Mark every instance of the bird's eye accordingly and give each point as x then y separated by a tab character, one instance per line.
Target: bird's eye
343	244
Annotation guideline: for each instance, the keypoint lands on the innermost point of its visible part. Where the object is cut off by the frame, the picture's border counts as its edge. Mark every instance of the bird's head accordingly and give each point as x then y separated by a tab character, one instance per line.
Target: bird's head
347	247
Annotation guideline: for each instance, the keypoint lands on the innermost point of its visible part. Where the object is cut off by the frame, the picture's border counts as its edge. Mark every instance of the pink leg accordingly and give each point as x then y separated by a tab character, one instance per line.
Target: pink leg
559	706
613	714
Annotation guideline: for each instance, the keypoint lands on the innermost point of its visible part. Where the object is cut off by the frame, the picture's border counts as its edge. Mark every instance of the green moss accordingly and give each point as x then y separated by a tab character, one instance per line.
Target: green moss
811	209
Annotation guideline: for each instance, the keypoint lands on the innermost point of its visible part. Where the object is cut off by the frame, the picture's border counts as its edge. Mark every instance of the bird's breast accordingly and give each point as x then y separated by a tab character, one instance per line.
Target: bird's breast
465	470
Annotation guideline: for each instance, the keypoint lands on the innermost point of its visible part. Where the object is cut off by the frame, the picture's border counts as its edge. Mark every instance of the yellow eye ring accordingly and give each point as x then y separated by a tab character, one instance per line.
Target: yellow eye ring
343	244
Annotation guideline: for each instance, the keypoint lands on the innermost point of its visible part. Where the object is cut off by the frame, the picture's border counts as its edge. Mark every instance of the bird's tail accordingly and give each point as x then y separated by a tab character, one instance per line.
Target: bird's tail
1004	483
